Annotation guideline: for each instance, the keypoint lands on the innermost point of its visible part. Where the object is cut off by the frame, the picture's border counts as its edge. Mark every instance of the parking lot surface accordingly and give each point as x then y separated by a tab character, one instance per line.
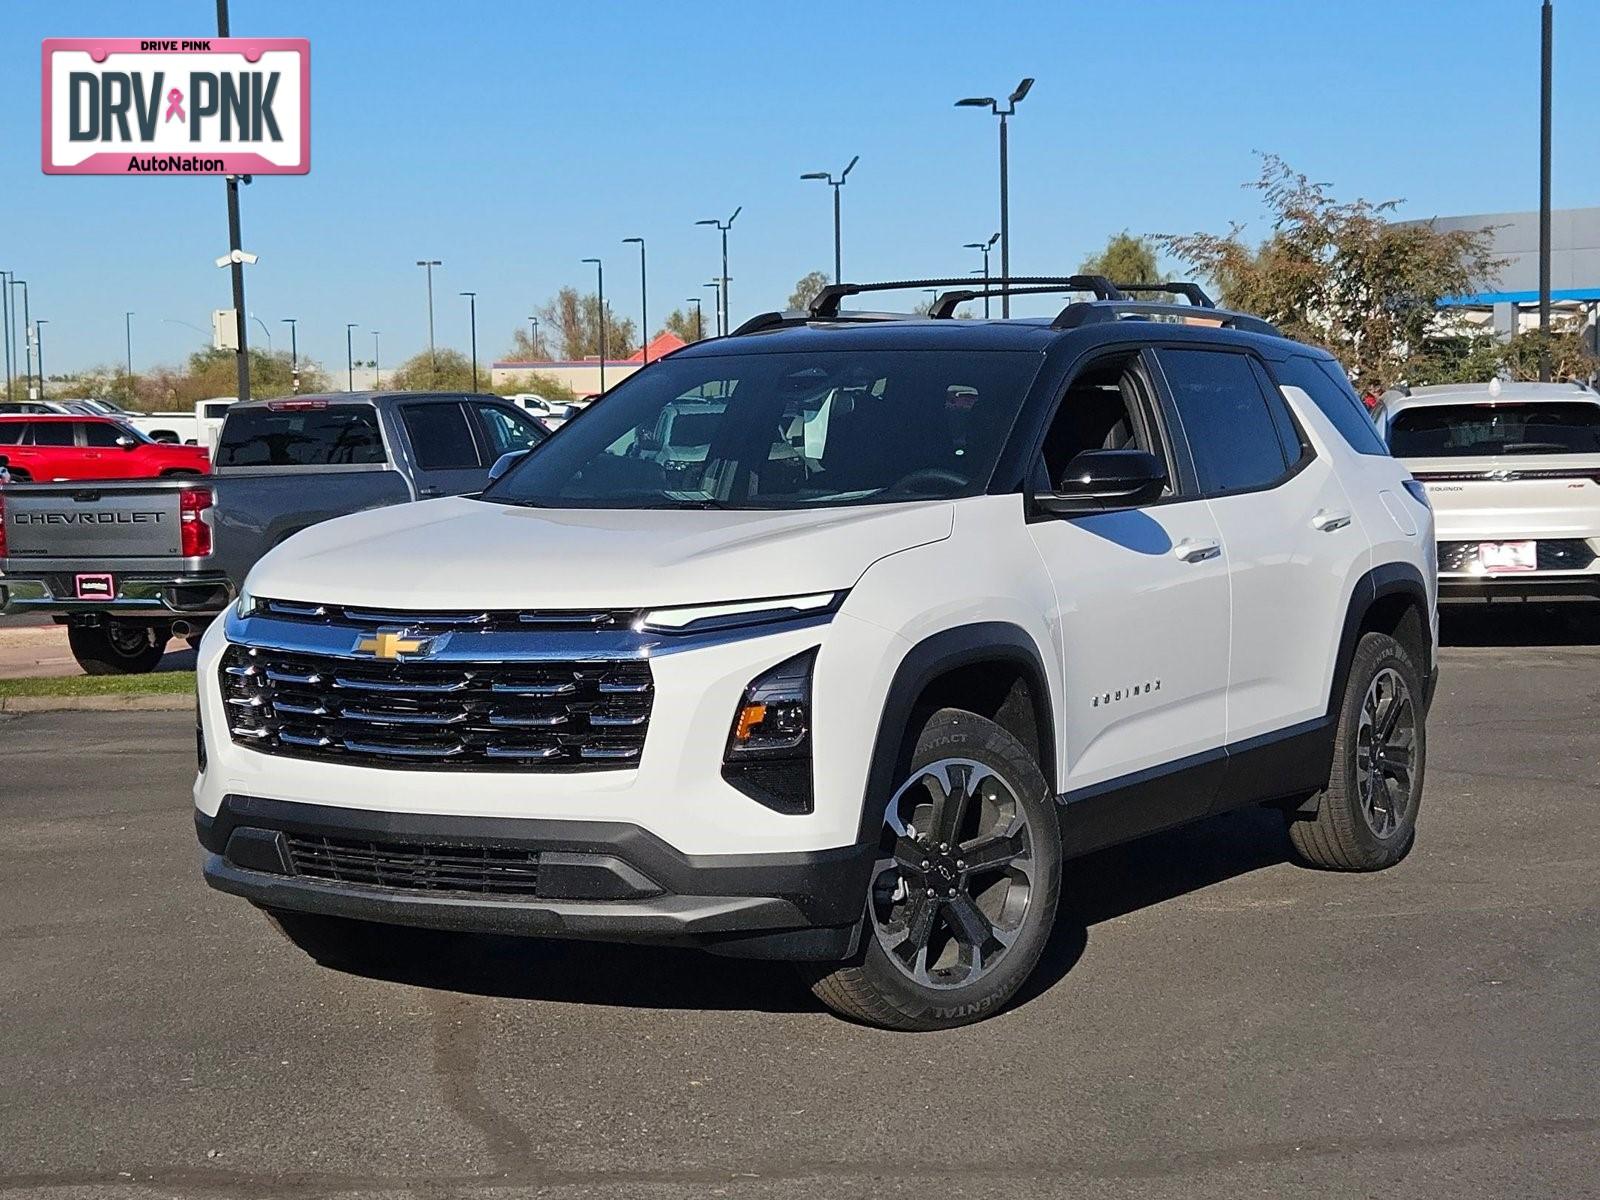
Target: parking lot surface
1211	1020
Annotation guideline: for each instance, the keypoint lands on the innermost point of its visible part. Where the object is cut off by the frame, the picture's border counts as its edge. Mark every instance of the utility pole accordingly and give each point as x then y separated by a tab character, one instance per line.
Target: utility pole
430	264
38	350
242	353
349	359
1547	36
294	353
127	333
27	339
472	304
5	324
377	371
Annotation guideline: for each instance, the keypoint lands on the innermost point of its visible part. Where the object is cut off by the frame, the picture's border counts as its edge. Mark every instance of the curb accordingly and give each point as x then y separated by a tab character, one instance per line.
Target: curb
108	702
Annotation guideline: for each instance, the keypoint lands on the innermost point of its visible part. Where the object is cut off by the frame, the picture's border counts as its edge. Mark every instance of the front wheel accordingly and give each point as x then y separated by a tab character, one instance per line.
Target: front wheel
116	649
1367	818
964	891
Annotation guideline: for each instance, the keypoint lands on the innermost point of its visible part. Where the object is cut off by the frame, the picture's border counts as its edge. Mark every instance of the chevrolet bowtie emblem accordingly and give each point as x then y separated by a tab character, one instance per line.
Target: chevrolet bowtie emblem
391	644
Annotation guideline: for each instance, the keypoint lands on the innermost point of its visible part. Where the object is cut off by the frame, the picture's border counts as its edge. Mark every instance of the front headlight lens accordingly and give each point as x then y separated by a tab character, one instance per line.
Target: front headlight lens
768	757
700	618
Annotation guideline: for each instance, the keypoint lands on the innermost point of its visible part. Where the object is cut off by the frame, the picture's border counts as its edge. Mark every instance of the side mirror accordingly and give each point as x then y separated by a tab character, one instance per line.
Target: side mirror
126	442
505	462
1102	480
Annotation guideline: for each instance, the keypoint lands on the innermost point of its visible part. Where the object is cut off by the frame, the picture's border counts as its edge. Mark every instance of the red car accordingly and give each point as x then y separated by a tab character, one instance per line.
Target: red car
42	449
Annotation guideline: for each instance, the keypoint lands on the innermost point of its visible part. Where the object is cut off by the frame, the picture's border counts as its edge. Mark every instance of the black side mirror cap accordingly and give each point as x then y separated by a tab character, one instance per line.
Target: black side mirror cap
1104	480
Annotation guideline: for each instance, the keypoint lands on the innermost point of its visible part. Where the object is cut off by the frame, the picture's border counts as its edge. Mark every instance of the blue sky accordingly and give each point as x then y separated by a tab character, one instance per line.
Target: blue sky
512	140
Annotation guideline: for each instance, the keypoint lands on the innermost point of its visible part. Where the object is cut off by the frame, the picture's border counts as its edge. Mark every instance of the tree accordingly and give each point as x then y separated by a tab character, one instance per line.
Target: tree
575	319
1341	274
527	348
691	327
806	289
443	371
1126	259
1480	356
547	386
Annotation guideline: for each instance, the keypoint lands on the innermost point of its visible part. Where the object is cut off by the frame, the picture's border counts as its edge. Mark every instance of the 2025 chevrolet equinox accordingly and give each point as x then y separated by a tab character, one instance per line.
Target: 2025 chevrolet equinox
831	641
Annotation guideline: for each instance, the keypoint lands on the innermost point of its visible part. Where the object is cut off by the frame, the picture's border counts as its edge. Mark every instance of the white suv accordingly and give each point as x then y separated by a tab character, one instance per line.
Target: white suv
1513	471
935	606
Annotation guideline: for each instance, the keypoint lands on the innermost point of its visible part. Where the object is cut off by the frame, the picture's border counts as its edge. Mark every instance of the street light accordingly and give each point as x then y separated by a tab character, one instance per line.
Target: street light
837	185
600	285
377	371
349	359
533	335
472	307
722	293
985	247
644	302
294	353
127	333
264	330
6	328
1005	197
430	264
716	287
27	337
699	318
38	352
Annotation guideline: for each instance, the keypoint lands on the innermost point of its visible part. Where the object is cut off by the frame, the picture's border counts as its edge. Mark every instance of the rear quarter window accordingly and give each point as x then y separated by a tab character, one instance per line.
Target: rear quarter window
1324	381
340	435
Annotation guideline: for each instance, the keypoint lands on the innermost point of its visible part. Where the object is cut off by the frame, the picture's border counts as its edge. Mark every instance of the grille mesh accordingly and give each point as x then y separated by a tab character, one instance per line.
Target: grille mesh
485	717
417	867
1551	554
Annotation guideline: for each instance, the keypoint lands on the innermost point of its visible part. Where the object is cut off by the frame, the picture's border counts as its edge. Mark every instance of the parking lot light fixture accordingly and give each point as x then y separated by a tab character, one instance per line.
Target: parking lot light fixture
644	302
716	286
294	353
127	333
472	309
989	102
600	289
5	325
838	186
723	324
377	371
699	319
533	334
38	351
349	359
429	264
985	247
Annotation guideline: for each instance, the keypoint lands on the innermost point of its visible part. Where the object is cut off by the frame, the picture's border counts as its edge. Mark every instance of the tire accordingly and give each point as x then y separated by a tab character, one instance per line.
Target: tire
1005	909
1367	818
116	649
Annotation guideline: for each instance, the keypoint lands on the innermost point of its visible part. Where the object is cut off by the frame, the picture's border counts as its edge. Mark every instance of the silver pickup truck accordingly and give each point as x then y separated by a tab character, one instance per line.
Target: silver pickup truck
129	565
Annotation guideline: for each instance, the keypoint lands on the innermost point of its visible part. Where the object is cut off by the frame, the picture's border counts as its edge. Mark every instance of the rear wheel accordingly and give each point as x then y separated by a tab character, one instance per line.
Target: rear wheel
1367	818
964	891
116	649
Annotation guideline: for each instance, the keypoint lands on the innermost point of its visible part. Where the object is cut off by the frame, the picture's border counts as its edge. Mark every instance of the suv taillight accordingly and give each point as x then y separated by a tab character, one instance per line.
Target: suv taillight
194	530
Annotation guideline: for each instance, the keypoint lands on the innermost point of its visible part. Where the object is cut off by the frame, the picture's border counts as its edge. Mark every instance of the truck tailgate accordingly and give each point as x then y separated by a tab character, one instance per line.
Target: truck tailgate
105	522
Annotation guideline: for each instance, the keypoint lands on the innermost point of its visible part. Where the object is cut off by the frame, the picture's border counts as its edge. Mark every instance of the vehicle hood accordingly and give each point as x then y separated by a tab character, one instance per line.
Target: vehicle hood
465	554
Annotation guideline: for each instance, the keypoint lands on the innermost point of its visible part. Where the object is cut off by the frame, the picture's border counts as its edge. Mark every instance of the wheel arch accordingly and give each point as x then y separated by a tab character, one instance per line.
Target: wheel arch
1392	599
992	668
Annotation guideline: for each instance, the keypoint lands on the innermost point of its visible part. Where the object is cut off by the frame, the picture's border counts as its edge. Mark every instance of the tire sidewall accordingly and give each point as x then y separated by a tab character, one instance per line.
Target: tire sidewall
1375	653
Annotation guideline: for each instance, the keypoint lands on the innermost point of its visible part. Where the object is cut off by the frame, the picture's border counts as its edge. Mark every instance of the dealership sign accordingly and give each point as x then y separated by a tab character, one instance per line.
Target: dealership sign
170	106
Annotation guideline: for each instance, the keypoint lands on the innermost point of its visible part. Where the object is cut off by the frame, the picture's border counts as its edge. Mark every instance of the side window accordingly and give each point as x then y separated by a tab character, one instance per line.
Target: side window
1231	432
1107	406
505	430
52	433
1290	439
11	433
440	436
1325	383
100	436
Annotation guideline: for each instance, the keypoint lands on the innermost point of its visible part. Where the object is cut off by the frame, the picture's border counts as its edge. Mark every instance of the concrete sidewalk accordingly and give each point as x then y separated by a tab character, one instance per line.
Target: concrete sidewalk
33	651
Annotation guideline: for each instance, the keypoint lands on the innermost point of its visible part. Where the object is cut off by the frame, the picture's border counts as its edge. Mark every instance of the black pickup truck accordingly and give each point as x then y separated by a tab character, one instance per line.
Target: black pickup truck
128	565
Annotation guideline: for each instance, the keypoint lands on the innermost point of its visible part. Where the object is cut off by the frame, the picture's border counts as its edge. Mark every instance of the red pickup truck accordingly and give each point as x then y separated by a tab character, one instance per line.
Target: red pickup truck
46	449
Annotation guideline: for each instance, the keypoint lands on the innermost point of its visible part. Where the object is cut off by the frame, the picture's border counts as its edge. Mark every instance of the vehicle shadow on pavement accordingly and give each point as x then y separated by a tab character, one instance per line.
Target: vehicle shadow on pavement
1516	624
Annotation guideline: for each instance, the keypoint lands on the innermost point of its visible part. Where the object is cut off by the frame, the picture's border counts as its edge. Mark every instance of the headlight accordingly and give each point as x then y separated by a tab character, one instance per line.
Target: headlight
245	605
702	617
768	756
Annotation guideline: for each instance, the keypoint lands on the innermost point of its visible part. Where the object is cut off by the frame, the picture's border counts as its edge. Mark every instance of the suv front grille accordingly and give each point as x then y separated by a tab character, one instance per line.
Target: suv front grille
1551	554
416	867
482	717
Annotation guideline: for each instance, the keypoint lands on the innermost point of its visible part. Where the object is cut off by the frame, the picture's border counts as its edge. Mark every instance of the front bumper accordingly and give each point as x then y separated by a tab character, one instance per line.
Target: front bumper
604	881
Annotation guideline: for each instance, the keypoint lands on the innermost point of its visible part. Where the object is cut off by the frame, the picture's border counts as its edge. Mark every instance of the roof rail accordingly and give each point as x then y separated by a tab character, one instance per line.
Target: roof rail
777	320
945	305
1094	312
826	304
1192	292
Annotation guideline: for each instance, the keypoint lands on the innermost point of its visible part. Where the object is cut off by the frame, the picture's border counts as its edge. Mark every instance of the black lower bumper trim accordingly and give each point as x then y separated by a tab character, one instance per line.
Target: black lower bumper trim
798	905
1531	588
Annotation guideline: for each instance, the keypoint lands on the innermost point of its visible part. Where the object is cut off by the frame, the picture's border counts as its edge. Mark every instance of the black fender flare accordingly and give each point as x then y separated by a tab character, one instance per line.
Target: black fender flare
1383	581
947	650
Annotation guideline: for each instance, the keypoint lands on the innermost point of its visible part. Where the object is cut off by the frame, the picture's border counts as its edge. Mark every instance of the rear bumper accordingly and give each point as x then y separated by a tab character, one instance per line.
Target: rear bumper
138	595
1533	587
601	881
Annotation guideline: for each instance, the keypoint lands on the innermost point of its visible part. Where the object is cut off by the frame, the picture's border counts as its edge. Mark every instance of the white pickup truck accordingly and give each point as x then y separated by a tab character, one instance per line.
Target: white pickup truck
199	428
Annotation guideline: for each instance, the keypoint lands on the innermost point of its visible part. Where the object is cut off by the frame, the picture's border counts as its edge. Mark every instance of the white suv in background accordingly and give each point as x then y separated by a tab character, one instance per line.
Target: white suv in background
1513	473
932	607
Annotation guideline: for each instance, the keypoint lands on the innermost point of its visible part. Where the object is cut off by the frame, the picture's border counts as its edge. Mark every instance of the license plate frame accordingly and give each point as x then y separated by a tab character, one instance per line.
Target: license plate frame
98	585
1508	558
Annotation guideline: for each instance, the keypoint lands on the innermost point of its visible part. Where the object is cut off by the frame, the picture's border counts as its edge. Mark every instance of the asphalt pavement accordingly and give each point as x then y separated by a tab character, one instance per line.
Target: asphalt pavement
1210	1021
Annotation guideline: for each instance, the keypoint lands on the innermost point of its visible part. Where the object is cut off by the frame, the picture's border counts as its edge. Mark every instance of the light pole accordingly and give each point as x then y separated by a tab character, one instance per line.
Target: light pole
430	264
38	352
837	185
264	330
533	335
5	324
723	324
600	285
294	353
644	302
1005	197
699	318
716	287
377	371
985	247
27	336
349	359
1546	38
472	307
127	334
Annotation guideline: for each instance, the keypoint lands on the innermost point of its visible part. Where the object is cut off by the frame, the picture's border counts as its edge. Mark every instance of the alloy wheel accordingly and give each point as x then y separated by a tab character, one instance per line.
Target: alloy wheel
1386	737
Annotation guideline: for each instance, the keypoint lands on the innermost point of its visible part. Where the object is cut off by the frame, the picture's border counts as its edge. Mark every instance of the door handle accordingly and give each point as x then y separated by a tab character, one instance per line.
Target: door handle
1192	551
1327	521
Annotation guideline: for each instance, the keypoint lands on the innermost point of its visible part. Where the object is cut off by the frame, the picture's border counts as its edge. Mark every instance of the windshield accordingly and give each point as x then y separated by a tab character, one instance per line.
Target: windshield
784	430
1460	430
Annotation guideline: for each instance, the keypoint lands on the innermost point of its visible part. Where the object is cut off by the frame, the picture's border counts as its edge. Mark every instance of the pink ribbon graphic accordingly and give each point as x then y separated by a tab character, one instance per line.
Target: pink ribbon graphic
174	106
